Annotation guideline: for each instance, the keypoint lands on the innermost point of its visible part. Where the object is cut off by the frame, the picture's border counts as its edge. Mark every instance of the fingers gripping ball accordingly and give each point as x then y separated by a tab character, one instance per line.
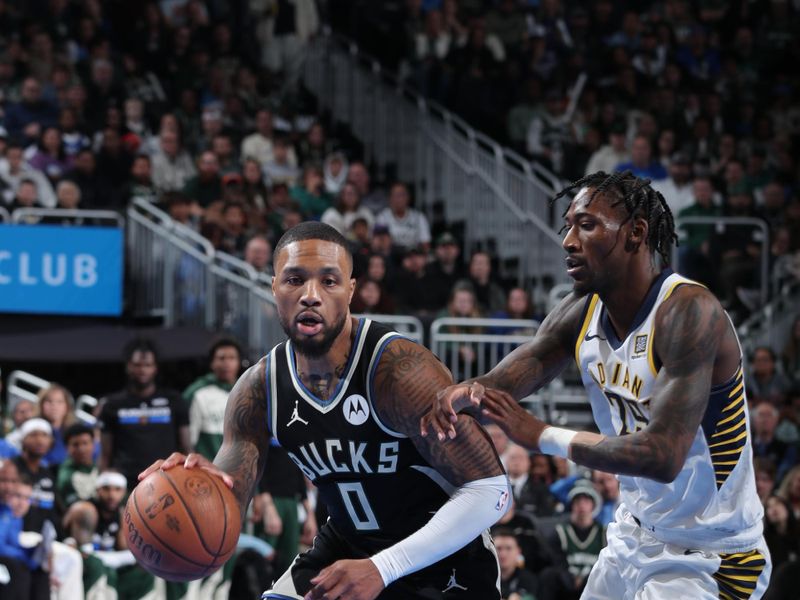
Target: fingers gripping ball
182	524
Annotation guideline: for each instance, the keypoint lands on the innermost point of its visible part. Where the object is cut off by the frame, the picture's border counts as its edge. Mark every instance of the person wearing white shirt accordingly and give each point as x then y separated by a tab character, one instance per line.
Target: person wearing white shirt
347	210
677	188
408	227
607	157
13	171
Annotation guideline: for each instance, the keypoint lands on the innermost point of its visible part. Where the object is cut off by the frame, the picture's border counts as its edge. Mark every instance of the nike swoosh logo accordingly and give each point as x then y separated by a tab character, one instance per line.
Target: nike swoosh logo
593	337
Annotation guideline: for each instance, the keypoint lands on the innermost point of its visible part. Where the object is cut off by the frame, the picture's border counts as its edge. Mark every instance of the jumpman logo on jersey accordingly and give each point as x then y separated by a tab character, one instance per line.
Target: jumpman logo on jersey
296	416
452	584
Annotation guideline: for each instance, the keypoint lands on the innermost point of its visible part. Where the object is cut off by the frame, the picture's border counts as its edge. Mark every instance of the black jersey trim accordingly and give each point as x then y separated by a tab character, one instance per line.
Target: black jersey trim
342	385
268	392
385	340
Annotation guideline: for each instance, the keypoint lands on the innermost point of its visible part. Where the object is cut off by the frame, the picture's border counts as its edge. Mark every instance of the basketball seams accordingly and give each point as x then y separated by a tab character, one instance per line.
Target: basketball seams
226	507
163	543
197	528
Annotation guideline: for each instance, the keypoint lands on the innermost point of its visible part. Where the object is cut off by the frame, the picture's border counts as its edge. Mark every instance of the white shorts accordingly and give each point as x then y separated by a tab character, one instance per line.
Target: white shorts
636	566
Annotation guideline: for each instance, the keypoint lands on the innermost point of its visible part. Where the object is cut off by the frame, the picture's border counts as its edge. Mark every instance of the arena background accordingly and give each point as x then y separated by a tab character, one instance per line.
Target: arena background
153	153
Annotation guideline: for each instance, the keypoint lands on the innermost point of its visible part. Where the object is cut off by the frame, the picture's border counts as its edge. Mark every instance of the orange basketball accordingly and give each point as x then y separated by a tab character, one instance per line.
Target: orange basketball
182	524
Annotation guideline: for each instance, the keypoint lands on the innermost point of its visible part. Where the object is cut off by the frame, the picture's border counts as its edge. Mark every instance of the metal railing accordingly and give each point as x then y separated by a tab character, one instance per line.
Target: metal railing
27	386
178	276
470	347
770	325
78	216
719	224
501	198
409	326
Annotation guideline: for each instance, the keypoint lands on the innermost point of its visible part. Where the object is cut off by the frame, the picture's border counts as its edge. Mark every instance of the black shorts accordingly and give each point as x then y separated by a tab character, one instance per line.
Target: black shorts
472	573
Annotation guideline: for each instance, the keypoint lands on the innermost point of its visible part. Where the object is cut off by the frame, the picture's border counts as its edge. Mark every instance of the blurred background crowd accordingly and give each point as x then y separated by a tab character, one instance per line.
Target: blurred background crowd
197	107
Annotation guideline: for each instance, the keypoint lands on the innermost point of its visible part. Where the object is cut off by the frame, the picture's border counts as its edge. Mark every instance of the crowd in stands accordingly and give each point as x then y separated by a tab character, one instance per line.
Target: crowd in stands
197	106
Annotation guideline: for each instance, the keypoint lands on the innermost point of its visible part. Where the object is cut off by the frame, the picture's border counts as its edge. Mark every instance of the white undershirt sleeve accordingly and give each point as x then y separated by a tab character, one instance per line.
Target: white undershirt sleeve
473	507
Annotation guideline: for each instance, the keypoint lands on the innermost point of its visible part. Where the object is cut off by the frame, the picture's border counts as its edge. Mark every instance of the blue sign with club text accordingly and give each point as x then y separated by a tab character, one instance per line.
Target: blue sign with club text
61	270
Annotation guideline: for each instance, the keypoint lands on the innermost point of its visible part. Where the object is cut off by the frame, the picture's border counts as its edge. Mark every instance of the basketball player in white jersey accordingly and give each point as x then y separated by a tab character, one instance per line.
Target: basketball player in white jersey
662	366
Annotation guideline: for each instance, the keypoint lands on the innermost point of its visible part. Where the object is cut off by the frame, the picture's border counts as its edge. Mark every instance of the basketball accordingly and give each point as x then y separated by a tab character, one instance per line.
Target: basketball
182	524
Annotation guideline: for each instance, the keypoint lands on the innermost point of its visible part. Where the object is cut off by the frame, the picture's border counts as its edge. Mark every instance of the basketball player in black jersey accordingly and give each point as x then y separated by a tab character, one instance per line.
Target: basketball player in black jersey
344	396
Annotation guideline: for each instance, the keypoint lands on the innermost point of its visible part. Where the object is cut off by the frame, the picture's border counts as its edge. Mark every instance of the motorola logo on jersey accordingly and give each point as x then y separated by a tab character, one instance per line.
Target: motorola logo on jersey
356	409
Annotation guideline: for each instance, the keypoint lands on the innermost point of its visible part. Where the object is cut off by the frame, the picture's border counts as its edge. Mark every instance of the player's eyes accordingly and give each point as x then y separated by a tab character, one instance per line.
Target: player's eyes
329	282
294	281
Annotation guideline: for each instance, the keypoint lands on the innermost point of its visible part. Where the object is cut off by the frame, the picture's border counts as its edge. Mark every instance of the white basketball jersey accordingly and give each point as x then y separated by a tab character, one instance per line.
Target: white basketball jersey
712	505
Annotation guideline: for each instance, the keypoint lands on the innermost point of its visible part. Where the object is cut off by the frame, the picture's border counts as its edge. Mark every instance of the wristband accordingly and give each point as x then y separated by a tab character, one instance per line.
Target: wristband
556	441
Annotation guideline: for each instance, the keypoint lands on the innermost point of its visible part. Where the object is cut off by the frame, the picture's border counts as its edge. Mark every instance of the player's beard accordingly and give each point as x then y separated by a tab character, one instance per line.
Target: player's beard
310	347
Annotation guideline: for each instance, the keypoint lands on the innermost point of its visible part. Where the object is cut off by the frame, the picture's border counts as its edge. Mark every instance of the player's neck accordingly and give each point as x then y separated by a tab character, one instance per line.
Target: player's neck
623	300
321	374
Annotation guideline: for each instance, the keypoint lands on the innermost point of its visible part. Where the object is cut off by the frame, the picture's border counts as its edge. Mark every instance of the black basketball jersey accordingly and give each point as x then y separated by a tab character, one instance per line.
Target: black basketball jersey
373	480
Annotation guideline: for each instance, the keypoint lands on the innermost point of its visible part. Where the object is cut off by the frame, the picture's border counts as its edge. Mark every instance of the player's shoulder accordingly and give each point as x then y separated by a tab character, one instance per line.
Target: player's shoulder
565	319
689	304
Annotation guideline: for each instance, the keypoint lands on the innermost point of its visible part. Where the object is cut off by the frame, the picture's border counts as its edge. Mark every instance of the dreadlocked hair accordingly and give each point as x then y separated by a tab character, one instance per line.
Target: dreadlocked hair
640	201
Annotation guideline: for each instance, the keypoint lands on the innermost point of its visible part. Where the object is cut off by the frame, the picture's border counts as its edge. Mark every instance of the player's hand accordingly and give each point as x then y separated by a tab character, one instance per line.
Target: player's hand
520	426
193	460
442	417
347	580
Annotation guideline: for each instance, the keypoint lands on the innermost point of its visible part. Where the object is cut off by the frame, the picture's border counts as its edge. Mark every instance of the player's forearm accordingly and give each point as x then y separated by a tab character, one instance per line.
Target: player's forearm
642	454
242	462
473	508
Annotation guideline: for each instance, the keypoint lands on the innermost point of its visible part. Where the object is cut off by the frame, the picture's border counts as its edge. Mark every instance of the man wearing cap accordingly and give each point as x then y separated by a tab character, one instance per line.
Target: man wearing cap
577	543
677	188
37	438
446	269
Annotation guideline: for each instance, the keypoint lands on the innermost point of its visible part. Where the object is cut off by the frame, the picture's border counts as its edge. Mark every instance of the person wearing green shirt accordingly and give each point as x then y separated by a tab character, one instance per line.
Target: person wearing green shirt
78	473
311	194
208	396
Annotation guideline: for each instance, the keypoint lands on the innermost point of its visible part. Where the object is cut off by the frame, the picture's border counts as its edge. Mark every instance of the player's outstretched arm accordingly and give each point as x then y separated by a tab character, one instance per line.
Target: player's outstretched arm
688	331
519	374
406	378
240	460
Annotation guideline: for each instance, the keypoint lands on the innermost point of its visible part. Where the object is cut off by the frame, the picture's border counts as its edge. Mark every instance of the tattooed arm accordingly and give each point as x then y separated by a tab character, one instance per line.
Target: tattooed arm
519	374
240	460
245	440
688	330
406	379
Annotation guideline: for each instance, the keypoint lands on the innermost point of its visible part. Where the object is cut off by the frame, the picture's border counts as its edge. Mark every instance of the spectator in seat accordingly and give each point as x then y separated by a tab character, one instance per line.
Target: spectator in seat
791	352
14	169
765	477
677	189
205	187
641	163
446	268
172	166
37	439
140	180
767	383
258	254
766	445
372	199
311	194
258	145
781	531
314	146
369	298
57	407
346	210
31	114
281	168
577	544
612	154
27	196
234	225
535	553
408	227
516	582
490	296
789	490
49	157
77	474
530	495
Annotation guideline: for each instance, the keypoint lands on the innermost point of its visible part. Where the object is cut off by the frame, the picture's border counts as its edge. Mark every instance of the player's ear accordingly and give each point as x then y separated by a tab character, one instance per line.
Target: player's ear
637	234
352	290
